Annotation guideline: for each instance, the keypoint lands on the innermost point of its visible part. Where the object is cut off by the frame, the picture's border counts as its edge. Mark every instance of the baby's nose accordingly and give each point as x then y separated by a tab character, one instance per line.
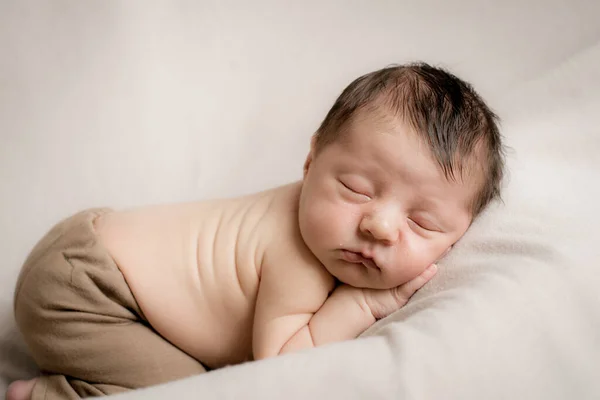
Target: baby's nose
380	227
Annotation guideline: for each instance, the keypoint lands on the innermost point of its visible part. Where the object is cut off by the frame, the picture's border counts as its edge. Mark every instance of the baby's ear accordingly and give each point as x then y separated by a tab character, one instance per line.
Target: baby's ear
310	156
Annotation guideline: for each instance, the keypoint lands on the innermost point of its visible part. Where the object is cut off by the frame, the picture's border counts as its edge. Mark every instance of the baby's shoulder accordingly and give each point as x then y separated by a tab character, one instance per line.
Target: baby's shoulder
287	260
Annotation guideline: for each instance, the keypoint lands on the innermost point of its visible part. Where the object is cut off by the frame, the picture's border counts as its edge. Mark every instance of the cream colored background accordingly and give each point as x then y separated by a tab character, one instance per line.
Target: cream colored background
122	103
130	102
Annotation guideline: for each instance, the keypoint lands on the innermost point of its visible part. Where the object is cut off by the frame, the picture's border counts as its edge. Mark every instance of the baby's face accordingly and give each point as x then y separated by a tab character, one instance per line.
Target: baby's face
375	207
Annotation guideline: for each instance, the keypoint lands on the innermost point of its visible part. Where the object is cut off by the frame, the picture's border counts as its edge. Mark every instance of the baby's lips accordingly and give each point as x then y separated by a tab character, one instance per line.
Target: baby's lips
358	258
370	263
352	257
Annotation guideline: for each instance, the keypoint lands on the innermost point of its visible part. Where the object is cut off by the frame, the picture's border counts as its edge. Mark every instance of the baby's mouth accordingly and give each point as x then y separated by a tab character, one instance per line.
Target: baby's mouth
357	258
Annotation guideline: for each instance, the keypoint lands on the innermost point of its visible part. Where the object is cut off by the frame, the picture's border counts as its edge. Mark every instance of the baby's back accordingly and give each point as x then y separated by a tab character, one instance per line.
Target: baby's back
194	269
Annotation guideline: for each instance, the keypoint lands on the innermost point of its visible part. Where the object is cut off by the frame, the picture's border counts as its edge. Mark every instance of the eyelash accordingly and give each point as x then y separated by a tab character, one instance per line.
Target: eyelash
421	226
354	191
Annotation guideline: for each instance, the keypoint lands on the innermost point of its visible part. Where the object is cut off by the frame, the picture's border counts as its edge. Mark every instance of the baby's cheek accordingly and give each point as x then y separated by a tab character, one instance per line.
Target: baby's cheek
407	274
332	221
319	220
414	262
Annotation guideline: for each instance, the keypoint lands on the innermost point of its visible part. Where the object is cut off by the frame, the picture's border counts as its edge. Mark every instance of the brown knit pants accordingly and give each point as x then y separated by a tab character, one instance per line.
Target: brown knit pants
82	324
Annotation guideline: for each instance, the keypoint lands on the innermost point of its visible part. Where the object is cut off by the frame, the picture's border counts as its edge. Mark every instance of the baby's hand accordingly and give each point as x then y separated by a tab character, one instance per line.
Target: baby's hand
384	302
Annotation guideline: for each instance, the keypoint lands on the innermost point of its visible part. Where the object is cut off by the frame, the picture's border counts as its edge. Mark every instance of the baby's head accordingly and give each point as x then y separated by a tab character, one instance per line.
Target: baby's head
404	161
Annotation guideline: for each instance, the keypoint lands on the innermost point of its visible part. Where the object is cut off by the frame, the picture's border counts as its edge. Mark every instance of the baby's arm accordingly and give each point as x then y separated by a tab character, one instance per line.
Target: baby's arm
293	311
349	311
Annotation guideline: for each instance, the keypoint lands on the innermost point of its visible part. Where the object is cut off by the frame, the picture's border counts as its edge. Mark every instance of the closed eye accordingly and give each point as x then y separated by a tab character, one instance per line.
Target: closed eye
424	225
354	191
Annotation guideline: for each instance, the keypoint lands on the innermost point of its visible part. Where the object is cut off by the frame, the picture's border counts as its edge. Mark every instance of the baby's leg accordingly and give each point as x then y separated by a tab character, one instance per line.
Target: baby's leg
82	323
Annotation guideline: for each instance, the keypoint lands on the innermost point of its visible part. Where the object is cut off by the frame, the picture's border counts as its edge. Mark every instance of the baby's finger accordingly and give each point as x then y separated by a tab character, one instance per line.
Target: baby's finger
409	288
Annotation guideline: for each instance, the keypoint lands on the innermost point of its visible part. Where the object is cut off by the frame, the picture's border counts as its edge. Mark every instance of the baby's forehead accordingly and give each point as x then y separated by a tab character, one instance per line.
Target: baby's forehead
396	149
468	162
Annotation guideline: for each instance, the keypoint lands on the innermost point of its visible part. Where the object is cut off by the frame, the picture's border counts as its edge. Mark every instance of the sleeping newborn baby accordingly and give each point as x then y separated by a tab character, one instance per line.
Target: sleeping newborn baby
111	300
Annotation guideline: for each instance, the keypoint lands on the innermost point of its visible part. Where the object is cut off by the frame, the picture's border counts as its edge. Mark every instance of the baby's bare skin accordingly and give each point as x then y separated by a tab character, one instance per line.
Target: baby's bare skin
316	261
248	278
253	277
232	280
195	268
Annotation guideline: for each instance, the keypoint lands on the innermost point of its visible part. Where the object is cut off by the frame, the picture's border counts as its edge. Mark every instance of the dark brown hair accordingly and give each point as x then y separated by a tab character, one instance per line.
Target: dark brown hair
460	129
